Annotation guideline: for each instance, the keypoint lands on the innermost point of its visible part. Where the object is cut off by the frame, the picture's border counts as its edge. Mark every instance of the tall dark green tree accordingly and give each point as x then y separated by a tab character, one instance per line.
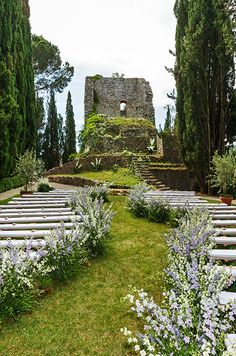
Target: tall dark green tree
17	101
167	125
70	133
51	153
40	124
205	76
61	135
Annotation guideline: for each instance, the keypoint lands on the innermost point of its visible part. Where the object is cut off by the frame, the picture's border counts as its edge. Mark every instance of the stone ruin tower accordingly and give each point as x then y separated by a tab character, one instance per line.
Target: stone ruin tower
105	96
107	93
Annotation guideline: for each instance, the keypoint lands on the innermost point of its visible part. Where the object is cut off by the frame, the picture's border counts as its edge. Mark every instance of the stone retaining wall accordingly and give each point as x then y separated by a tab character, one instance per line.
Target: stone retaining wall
178	179
76	181
107	162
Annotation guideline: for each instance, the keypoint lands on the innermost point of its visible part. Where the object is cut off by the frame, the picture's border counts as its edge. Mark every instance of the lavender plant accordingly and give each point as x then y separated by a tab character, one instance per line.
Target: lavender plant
95	221
158	210
65	252
19	269
191	321
136	200
97	191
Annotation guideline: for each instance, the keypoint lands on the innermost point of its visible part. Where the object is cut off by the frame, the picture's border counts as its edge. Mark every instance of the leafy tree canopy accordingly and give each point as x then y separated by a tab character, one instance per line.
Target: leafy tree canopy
50	72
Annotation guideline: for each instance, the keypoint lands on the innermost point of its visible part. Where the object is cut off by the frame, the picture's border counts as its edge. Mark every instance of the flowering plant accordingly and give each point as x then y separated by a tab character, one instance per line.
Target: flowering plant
191	322
95	221
65	252
136	200
19	270
158	210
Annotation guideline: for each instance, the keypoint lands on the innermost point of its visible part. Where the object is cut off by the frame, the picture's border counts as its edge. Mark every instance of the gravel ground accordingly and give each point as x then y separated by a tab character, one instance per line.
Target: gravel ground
16	191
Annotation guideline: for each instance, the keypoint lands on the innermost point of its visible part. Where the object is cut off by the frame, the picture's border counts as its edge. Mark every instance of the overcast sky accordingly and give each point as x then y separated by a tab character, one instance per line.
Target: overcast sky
106	36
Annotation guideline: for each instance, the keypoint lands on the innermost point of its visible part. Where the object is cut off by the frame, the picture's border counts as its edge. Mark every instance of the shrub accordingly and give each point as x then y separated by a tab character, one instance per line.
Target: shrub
136	200
96	164
77	168
18	272
29	168
95	192
10	183
192	321
177	214
158	210
44	185
223	176
65	252
95	219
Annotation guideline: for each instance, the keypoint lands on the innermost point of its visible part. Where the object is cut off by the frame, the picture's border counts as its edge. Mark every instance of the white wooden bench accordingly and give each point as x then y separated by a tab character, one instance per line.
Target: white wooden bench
221	240
227	297
31	206
226	255
33	226
20	214
226	231
39	219
224	222
27	234
36	201
23	243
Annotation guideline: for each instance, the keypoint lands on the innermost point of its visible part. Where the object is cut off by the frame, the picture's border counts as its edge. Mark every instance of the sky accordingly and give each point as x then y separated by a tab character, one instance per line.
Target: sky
107	36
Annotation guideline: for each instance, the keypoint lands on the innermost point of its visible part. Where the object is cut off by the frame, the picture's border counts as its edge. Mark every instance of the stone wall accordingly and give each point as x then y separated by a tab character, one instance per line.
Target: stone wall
106	93
107	162
77	181
179	179
168	147
118	138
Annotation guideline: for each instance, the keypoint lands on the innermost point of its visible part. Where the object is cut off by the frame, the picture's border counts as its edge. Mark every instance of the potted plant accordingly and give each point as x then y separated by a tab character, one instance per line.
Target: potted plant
29	168
223	176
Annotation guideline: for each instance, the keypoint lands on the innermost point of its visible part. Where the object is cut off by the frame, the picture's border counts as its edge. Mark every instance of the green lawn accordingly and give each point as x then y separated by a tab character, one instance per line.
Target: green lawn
123	177
84	316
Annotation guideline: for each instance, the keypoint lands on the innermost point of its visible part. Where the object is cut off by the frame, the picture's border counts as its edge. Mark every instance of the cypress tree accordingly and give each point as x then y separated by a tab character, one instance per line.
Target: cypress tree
61	137
17	102
167	125
205	76
70	134
40	116
51	153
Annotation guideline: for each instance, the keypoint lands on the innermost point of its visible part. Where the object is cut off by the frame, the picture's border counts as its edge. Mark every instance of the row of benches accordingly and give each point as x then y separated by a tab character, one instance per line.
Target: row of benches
33	217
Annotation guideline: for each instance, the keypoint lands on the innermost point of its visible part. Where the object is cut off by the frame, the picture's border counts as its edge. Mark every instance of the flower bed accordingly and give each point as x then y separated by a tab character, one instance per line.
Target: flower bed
23	270
191	321
157	209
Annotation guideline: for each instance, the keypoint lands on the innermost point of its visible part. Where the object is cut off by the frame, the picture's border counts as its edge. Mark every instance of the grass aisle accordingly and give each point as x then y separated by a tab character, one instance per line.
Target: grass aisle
84	316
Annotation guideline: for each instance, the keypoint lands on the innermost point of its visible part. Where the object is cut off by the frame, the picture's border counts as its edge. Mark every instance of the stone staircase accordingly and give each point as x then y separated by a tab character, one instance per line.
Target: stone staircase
143	170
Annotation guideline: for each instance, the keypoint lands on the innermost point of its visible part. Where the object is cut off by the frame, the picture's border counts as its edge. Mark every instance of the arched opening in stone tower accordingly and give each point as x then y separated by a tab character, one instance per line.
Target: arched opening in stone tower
123	107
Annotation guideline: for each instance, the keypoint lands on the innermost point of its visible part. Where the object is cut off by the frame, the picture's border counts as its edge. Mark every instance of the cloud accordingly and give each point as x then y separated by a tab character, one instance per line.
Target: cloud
105	36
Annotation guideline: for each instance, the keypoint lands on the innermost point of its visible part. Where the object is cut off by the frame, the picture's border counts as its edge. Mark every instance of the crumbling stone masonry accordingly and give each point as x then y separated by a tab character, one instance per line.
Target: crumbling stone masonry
105	95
